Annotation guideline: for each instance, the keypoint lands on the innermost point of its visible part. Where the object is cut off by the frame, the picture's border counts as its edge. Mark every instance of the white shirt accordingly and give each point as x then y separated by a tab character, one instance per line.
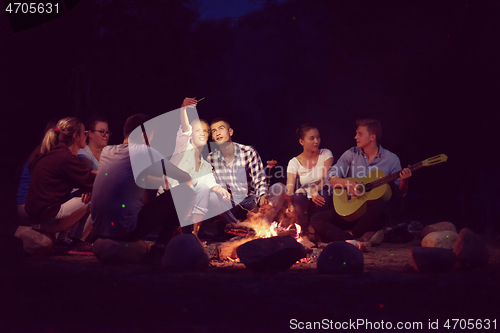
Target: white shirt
310	177
184	159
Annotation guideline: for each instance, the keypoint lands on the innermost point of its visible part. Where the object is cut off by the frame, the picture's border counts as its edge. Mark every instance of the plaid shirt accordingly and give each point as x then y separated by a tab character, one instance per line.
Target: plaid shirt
245	177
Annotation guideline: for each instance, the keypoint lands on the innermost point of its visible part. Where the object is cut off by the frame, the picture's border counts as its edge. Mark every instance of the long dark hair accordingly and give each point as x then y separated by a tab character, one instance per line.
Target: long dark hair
303	129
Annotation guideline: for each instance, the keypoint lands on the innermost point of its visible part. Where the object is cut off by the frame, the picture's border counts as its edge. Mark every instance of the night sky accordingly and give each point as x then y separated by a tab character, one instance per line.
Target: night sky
428	70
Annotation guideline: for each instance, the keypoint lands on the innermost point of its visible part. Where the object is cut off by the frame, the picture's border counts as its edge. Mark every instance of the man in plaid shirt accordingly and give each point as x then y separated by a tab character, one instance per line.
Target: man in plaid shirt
237	168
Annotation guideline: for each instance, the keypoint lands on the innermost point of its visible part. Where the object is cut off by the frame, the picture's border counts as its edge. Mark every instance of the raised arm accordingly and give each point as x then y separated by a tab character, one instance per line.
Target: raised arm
188	102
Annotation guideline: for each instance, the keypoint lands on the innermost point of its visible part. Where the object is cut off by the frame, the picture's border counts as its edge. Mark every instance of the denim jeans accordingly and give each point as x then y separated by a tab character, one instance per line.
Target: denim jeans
201	197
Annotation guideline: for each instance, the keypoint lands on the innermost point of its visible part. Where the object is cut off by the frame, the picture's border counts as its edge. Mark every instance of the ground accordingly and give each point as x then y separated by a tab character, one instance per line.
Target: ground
79	294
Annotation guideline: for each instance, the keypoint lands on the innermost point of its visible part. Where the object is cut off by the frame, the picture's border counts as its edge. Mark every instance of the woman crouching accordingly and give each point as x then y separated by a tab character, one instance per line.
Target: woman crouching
56	171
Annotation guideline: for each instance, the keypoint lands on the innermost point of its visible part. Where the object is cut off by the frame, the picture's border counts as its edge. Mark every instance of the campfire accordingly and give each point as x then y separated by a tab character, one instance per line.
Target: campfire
253	228
256	226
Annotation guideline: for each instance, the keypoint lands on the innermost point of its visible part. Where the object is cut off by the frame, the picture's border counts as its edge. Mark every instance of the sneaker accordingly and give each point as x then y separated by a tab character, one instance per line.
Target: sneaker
81	248
377	238
362	246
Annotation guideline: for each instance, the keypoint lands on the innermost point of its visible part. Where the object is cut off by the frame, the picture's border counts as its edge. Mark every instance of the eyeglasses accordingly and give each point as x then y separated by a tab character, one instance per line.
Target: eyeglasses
103	132
86	133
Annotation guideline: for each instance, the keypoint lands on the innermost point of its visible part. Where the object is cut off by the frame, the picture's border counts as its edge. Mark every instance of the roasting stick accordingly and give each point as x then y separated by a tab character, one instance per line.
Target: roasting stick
270	164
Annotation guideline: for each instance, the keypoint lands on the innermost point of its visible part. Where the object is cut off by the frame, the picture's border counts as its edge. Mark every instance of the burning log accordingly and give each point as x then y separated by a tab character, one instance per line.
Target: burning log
254	227
227	249
239	230
271	254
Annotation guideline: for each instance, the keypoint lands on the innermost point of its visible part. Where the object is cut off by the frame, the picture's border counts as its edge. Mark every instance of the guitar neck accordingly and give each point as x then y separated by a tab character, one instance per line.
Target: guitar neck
394	176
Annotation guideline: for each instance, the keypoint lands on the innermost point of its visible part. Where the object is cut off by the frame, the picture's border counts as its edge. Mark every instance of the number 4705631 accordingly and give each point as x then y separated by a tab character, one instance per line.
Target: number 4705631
32	8
472	324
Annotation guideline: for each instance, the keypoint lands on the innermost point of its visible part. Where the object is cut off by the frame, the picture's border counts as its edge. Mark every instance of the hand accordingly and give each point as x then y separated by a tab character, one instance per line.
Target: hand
405	174
189	102
86	197
262	200
318	199
226	196
351	187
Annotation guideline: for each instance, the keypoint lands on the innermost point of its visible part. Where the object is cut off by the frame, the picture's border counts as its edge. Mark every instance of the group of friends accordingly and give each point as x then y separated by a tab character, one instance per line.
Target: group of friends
76	187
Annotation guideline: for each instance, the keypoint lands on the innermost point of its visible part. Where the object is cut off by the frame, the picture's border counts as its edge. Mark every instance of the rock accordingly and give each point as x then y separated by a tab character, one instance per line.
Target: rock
432	259
441	226
184	252
110	251
470	250
271	254
443	239
21	229
34	243
11	249
341	257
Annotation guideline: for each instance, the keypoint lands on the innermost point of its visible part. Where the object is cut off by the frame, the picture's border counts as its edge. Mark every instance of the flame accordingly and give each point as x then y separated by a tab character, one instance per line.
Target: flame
264	230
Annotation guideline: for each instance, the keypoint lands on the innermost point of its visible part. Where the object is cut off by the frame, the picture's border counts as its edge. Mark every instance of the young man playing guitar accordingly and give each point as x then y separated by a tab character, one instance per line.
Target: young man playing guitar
359	161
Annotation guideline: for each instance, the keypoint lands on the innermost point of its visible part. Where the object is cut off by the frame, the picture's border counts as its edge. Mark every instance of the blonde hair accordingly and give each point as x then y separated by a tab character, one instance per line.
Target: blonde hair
63	132
201	121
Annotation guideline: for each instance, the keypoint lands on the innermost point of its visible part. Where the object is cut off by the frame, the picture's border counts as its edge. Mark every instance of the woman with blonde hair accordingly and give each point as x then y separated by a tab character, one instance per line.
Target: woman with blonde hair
189	144
24	181
55	172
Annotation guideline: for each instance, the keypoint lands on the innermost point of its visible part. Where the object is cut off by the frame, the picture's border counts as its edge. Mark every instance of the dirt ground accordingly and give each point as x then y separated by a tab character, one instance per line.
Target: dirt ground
79	294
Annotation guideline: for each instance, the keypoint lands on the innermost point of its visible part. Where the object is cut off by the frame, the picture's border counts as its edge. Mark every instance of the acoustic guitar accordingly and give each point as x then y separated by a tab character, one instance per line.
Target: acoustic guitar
373	186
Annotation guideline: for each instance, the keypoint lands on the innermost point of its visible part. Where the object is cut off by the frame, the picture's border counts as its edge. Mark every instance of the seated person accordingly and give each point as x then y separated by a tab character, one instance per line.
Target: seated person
55	171
309	168
190	141
237	168
24	181
98	138
358	161
120	209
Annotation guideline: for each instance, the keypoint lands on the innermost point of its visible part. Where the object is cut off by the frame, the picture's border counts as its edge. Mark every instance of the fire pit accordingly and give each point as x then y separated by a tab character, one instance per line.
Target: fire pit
254	228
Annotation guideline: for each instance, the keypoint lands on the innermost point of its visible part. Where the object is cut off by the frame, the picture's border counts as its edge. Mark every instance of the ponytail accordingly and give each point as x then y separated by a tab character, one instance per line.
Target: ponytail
50	140
62	132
